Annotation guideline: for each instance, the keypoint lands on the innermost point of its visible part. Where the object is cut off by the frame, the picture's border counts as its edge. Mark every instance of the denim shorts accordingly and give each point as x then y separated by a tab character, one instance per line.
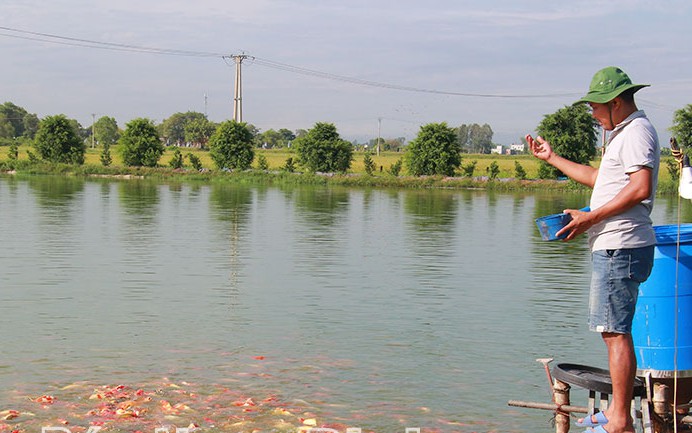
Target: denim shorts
615	285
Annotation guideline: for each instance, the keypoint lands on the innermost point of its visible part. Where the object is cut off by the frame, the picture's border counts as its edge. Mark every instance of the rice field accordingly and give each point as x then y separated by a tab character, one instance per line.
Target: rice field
276	158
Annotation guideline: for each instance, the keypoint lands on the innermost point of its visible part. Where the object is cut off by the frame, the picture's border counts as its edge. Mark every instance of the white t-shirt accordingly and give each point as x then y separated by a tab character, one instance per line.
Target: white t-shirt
632	145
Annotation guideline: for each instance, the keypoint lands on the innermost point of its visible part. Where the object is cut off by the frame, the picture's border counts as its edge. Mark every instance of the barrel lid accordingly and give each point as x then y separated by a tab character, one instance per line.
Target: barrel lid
669	234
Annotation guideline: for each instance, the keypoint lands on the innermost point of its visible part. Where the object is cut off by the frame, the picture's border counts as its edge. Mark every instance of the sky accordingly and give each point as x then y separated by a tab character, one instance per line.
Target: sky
368	66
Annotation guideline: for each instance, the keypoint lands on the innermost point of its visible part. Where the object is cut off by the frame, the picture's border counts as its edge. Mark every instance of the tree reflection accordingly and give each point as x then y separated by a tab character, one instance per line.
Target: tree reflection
56	191
321	206
431	210
139	199
430	225
231	205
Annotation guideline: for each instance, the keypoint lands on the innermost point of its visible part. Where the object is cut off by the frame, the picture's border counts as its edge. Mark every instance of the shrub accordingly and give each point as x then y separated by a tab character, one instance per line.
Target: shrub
230	147
195	162
493	170
673	169
262	163
177	161
57	141
469	168
289	166
369	164
395	168
140	143
435	151
106	158
519	171
13	153
321	149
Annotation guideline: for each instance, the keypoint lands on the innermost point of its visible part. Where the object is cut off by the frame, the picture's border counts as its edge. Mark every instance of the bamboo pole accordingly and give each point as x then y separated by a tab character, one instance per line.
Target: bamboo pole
548	406
561	397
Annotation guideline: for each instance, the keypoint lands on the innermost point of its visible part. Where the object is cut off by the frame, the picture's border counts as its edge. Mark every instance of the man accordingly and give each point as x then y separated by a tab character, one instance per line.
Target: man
621	235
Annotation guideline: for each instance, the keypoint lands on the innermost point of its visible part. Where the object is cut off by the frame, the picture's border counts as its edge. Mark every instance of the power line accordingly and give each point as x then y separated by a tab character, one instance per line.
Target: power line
88	43
326	75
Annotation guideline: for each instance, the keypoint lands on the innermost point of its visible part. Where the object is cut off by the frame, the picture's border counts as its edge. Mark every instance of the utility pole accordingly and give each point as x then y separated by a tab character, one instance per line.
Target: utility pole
238	88
205	105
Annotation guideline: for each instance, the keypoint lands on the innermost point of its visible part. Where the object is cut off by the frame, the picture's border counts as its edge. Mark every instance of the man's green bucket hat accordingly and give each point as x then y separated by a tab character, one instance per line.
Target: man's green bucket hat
607	84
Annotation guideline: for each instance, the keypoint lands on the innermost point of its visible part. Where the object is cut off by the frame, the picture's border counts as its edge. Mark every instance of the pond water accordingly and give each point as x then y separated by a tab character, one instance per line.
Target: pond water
134	304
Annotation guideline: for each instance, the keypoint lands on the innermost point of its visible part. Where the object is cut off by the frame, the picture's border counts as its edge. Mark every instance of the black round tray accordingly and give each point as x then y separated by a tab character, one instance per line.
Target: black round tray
591	378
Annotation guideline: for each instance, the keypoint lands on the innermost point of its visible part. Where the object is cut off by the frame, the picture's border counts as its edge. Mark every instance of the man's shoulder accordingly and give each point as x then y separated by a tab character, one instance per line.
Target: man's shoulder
642	126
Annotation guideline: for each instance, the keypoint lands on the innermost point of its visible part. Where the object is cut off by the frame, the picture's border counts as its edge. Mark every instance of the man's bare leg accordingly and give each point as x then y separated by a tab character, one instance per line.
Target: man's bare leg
623	368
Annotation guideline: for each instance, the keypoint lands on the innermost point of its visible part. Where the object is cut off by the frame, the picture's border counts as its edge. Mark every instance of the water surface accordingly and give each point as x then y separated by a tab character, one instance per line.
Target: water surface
373	308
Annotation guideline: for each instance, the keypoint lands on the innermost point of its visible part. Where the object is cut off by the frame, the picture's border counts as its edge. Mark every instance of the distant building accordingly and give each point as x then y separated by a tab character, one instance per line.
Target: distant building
517	148
497	149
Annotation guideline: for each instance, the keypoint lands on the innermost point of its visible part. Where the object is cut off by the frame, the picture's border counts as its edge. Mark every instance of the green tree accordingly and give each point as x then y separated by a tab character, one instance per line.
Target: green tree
106	131
395	168
369	164
434	151
289	166
323	150
198	131
545	172
682	126
269	139
519	171
177	159
32	158
82	132
262	163
286	137
231	146
30	122
13	153
673	169
173	128
194	161
21	123
480	138
463	137
140	144
394	144
57	141
493	170
571	132
106	158
275	139
468	169
6	129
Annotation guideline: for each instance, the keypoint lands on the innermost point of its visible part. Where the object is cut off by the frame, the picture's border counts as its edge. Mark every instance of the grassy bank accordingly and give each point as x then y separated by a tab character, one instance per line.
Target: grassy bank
276	158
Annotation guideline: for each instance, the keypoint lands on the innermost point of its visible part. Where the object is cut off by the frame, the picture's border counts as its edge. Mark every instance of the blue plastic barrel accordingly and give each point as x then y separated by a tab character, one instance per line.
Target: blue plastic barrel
654	325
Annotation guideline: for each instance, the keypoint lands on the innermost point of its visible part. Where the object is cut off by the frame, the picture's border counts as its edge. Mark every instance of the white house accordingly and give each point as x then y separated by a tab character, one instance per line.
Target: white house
517	148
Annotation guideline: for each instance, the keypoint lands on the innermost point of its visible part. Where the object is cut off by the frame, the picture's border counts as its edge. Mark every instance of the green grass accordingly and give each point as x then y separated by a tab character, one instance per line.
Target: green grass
276	158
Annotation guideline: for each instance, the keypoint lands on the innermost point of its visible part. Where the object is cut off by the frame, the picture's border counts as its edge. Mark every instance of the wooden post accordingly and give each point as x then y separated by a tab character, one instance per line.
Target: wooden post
561	397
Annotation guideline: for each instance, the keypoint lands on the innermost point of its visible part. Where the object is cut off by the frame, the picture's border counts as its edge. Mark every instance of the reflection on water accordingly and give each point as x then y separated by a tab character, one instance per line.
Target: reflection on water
373	308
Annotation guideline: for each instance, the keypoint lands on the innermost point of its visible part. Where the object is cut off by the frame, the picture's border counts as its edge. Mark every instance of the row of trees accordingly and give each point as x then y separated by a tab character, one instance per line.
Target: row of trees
193	129
436	150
